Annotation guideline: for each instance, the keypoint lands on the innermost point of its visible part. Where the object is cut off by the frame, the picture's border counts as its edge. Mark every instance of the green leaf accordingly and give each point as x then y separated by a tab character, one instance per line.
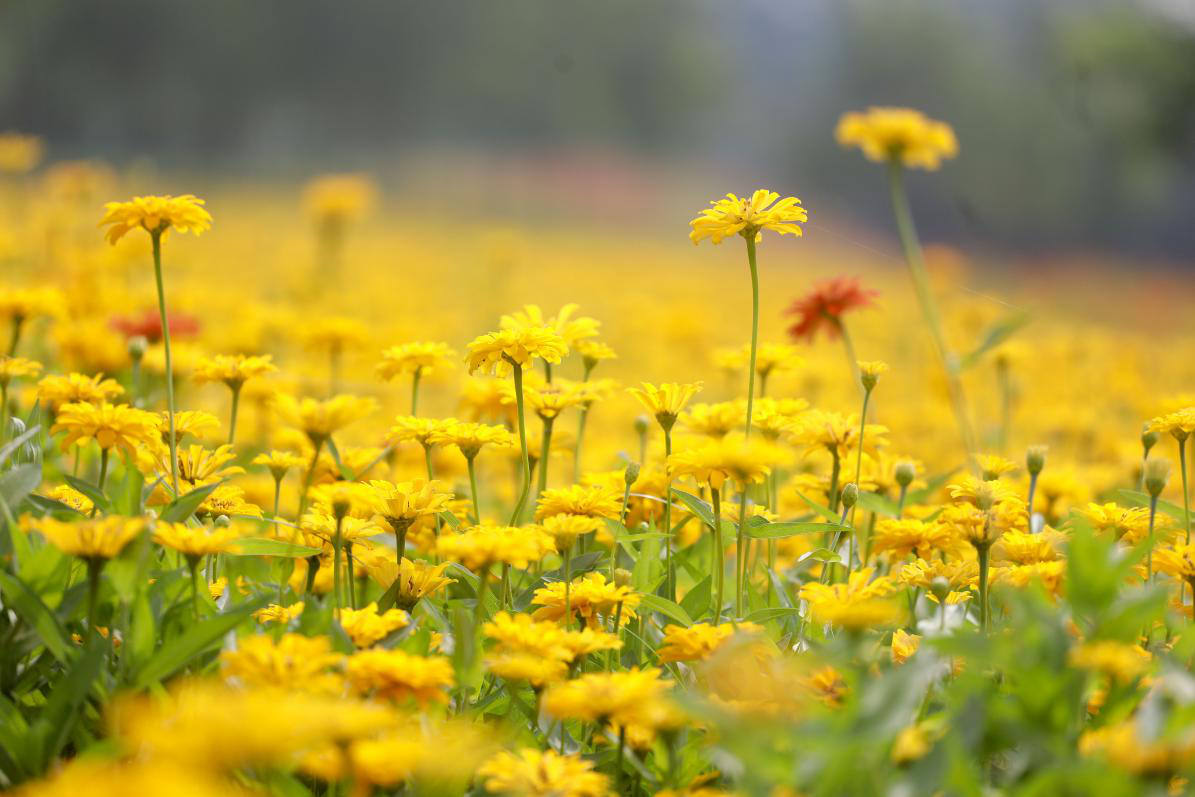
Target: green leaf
824	511
880	505
18	483
390	596
197	639
772	613
262	546
61	713
90	490
51	506
996	334
30	608
698	507
666	607
345	473
821	555
181	508
127	498
18	441
451	519
771	531
697	600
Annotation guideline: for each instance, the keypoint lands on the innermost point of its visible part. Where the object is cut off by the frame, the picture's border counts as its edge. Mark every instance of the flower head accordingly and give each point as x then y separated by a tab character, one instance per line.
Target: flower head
898	135
17	368
699	641
470	438
571	329
416	579
495	352
111	426
665	401
396	675
367	625
320	418
102	538
748	217
414	359
825	305
293	661
195	543
595	500
54	391
232	369
859	604
481	546
155	215
535	773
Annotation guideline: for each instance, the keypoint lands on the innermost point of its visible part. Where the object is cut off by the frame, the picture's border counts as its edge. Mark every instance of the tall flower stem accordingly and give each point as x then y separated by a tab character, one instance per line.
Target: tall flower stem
473	488
319	443
232	414
835	472
740	568
94	568
584	416
858	470
545	450
1149	551
518	379
716	556
929	308
982	553
156	238
17	322
848	346
1182	466
415	391
337	542
669	575
568	567
749	237
277	494
3	412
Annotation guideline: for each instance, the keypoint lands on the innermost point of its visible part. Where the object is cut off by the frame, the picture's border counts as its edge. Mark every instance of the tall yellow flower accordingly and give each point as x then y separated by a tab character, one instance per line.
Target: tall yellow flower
232	369
195	542
535	773
495	352
102	538
900	135
320	418
111	426
367	626
479	547
54	391
416	580
396	675
156	215
665	401
571	329
748	217
420	358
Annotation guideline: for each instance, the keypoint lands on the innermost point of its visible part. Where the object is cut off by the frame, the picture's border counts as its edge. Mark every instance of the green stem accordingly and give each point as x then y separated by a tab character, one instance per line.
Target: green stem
3	412
1182	466
156	238
17	321
859	464
716	557
483	583
337	541
310	475
348	561
94	568
669	575
415	390
194	562
584	416
568	572
545	449
835	471
104	453
848	345
982	553
740	569
277	493
749	237
1149	552
929	309
518	379
469	462
232	414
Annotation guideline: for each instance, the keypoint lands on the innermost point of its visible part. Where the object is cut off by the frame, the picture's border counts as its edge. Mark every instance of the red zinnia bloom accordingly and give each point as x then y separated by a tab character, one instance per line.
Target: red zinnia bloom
825	305
149	325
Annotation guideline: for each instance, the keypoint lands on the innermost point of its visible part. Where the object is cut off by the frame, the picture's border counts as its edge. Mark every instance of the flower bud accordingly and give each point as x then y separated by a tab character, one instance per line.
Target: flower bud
1148	438
1157	473
1035	459
642	423
904	473
137	346
850	494
939	588
622	577
631	475
222	521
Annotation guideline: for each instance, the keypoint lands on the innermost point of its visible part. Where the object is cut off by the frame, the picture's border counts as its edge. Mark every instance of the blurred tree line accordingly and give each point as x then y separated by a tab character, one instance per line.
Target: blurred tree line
1076	117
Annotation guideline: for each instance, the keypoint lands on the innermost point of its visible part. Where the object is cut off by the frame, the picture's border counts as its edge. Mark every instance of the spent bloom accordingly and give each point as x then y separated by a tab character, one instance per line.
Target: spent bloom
748	217
898	135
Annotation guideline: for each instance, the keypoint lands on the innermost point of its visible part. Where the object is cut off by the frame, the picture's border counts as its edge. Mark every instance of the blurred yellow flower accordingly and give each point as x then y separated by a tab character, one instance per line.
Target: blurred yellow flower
155	215
898	135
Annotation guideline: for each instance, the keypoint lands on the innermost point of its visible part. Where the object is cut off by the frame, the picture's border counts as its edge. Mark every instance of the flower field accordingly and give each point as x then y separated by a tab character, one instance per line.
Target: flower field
342	495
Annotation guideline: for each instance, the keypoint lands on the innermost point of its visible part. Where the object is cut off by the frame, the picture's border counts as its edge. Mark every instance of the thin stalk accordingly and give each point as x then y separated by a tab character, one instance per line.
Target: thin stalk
156	238
835	471
469	462
431	476
984	611
348	561
1182	466
17	322
94	568
716	557
900	503
1032	492
3	412
929	308
277	493
545	449
518	379
848	346
740	552
669	575
483	583
749	237
584	416
232	415
309	476
415	391
568	572
858	475
1149	553
622	746
337	541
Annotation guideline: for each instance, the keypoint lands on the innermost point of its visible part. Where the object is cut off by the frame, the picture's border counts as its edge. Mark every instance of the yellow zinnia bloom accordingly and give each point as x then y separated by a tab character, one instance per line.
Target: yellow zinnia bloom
54	391
396	675
415	359
232	369
195	543
155	215
275	613
111	426
593	500
417	579
571	329
618	698
471	437
747	217
665	401
101	538
319	419
858	604
367	625
17	368
495	352
293	661
699	641
481	546
536	773
898	135
279	462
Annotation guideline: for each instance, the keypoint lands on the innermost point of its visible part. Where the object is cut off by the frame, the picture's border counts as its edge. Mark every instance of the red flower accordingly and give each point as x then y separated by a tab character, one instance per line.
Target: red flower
149	325
825	305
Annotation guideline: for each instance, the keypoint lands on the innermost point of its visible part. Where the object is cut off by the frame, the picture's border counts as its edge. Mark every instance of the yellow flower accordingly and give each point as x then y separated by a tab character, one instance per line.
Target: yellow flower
275	613
549	401
495	352
232	369
121	427
571	330
565	529
155	215
102	538
699	641
279	462
195	543
403	503
593	352
17	368
197	465
589	596
993	466
899	135
481	546
535	773
19	304
1176	561
912	743
535	670
1128	523
904	645
470	438
732	457
319	419
1119	660
416	579
666	401
619	698
20	152
870	372
334	334
337	198
195	423
101	777
597	500
367	625
1138	750
858	604
715	420
747	217
293	661
54	391
226	500
411	428
960	575
72	498
903	536
415	359
395	675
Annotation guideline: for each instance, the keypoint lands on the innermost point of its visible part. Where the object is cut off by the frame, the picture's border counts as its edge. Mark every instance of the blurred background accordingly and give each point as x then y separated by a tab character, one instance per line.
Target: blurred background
1076	117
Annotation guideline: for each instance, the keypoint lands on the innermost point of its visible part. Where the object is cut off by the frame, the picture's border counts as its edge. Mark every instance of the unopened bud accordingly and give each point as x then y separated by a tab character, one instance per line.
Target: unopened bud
1148	438
622	577
137	346
642	424
904	473
631	475
939	588
1157	473
850	494
222	521
1035	459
